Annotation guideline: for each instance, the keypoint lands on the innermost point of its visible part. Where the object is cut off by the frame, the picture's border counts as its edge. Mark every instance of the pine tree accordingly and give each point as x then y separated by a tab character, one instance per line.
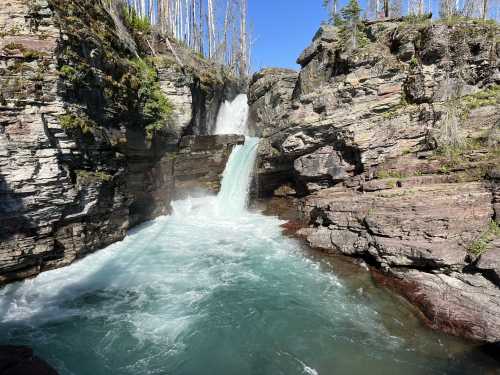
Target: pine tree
351	17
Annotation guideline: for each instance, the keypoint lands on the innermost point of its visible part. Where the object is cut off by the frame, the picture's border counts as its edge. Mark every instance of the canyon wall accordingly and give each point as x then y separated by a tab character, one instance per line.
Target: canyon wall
391	153
97	125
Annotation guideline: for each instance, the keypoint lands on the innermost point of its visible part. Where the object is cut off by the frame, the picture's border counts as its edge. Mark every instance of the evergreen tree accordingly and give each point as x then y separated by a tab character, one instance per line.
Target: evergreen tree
351	21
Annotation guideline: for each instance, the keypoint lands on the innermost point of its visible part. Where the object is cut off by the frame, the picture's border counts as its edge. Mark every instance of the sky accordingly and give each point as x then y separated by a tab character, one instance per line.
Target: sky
282	29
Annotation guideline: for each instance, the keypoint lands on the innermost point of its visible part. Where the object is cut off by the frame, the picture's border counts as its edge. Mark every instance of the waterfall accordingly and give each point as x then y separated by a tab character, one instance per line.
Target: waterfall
232	199
233	196
232	117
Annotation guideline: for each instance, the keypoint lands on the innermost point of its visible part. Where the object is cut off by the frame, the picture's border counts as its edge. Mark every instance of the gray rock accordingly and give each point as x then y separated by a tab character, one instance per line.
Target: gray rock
489	262
355	135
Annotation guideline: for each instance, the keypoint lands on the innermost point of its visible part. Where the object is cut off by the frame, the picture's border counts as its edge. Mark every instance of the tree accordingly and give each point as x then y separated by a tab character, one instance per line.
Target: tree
396	8
484	9
220	24
244	65
351	17
331	6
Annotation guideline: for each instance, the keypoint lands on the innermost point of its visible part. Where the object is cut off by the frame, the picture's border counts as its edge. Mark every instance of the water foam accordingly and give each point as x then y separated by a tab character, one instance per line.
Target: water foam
233	116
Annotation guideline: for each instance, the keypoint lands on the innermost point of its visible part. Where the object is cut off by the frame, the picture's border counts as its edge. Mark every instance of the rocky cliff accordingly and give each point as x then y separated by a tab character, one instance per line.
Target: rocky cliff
391	152
97	119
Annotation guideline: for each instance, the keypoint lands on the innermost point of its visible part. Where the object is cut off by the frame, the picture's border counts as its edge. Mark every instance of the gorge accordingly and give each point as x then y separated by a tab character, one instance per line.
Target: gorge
216	288
160	215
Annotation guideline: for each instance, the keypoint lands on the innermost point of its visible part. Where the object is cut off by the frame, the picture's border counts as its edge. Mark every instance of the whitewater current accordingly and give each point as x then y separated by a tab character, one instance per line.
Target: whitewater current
215	288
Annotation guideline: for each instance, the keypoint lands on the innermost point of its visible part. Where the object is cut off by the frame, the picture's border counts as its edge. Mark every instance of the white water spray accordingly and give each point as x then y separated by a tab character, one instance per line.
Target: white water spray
233	116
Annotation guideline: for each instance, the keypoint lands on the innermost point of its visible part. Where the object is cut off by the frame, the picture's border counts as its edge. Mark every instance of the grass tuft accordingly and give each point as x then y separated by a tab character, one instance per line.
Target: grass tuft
480	245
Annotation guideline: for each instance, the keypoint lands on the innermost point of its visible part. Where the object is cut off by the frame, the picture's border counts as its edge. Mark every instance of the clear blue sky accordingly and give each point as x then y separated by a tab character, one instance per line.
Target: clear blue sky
282	29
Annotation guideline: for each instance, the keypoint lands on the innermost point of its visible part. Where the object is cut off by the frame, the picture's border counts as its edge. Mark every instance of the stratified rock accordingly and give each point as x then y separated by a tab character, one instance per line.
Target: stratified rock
378	103
489	262
427	226
274	86
69	184
200	163
460	304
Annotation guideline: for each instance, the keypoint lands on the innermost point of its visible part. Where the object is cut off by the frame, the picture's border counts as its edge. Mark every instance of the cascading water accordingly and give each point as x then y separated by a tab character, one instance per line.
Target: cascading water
233	116
233	196
217	289
232	119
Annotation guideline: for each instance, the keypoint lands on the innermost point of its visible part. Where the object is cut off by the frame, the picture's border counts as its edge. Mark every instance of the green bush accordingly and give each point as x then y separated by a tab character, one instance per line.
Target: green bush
87	177
136	22
155	107
31	54
70	121
413	62
489	96
69	73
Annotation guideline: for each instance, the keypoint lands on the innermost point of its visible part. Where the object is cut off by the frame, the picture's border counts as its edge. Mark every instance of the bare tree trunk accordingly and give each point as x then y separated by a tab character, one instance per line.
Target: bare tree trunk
211	29
484	10
201	28
244	66
151	12
192	20
225	47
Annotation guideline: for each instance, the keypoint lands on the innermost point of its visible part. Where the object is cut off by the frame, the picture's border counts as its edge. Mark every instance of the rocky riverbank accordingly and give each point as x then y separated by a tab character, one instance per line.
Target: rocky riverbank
391	152
98	129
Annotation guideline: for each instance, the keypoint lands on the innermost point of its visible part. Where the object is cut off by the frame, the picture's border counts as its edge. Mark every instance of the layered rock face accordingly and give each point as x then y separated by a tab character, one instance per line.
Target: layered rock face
392	153
78	165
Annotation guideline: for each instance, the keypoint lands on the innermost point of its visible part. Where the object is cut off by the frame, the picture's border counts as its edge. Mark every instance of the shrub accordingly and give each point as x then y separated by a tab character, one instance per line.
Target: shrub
413	62
154	105
479	246
10	48
450	135
383	174
31	54
70	121
136	22
489	96
69	73
92	177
